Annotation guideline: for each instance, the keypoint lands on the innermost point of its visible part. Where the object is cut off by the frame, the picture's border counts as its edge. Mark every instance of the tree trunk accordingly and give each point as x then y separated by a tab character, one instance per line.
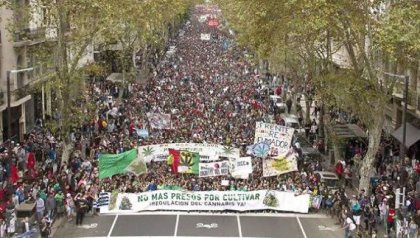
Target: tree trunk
308	110
67	148
321	126
374	141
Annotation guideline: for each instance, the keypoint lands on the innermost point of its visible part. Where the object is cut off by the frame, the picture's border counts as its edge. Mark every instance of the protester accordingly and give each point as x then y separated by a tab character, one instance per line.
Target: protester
349	227
213	94
81	208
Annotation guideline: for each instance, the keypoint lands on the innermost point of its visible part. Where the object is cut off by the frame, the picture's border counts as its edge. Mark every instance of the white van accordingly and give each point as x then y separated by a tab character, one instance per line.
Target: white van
291	121
330	179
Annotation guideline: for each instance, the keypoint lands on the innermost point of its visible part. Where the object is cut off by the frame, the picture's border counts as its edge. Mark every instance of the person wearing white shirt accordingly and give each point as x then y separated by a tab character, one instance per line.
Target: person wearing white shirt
27	225
40	207
3	228
349	227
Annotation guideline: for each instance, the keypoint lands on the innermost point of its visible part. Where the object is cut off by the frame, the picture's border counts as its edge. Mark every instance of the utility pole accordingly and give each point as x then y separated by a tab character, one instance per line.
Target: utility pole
404	112
9	113
404	117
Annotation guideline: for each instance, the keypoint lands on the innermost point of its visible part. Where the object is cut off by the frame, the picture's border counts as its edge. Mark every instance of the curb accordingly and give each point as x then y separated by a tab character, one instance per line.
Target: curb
57	224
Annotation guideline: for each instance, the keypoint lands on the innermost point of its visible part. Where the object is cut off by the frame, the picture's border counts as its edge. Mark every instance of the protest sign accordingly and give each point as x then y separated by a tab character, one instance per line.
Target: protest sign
279	138
205	37
261	149
207	152
214	169
240	167
208	201
203	18
143	133
274	167
213	22
159	120
224	182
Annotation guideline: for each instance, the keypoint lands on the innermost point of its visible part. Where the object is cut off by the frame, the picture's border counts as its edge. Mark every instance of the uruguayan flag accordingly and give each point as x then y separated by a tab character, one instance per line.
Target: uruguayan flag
103	200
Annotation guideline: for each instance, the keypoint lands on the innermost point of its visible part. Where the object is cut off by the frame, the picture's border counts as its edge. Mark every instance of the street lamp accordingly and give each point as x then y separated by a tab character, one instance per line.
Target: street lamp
404	116
9	99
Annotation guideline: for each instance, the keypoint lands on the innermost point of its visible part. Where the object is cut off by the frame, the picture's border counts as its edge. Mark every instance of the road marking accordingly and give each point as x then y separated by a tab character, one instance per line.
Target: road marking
176	225
239	226
112	226
301	227
153	237
326	228
208	226
320	216
91	226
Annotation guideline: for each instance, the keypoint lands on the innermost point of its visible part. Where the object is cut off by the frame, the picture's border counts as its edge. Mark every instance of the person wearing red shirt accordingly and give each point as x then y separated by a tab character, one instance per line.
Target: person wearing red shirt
339	169
132	128
417	167
278	91
30	164
390	219
14	176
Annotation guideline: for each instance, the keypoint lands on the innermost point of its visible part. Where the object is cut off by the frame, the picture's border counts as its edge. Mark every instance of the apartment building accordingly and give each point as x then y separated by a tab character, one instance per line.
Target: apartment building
395	109
31	97
19	72
16	74
387	70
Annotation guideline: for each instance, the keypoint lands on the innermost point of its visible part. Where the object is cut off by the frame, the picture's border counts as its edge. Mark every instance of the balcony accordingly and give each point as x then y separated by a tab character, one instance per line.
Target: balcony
28	36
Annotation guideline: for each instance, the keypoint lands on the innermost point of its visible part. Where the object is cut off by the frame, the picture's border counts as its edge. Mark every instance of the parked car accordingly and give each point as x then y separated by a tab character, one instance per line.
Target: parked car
308	151
330	179
291	121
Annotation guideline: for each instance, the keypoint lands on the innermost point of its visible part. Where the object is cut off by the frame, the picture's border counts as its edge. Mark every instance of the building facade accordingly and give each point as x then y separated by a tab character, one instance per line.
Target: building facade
31	96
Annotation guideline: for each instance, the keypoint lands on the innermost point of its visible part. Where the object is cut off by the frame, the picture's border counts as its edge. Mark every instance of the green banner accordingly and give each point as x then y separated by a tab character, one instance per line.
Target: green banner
111	164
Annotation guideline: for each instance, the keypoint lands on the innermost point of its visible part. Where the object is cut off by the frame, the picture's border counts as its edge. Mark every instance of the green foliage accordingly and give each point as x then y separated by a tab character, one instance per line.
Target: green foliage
398	33
300	37
75	25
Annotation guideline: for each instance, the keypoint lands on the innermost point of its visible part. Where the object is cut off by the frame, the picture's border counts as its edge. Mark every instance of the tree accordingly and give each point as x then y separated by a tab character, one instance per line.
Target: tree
303	30
141	27
75	26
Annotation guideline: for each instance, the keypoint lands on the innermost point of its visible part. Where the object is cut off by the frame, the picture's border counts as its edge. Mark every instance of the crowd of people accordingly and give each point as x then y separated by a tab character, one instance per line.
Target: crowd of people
214	95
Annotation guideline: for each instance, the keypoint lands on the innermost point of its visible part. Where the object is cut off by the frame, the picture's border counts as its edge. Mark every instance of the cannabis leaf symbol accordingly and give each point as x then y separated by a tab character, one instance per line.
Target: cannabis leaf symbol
261	149
148	151
137	167
186	159
271	200
228	150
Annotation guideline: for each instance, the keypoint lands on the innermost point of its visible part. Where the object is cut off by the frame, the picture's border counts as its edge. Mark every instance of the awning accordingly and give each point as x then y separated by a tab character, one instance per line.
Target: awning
412	135
16	103
349	131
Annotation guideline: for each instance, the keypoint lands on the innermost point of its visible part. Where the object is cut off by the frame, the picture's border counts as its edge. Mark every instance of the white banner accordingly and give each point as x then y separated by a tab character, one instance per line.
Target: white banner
213	169
208	152
159	120
278	137
240	167
205	37
274	167
203	18
207	201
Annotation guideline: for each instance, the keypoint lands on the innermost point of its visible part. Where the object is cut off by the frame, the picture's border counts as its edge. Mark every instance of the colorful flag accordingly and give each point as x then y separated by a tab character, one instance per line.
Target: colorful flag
111	164
173	160
189	162
316	201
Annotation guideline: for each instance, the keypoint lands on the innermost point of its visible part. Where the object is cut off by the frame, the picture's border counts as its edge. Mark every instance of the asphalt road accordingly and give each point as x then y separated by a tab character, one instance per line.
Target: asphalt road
203	225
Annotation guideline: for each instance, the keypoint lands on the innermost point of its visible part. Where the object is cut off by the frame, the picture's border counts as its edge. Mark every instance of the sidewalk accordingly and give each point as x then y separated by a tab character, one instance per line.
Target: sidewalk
57	224
326	164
